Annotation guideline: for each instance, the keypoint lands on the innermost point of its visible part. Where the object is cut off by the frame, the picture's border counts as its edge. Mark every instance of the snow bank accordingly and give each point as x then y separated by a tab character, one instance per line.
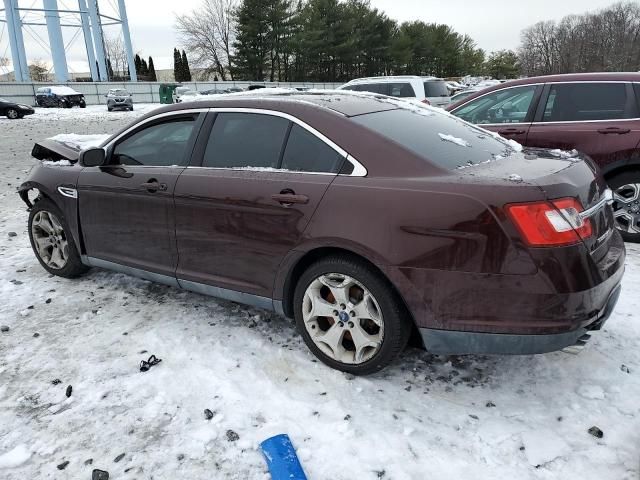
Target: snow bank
543	445
14	458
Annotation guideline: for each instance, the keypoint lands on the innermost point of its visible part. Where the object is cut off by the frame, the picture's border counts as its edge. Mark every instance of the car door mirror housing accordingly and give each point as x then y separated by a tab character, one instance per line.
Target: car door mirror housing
93	157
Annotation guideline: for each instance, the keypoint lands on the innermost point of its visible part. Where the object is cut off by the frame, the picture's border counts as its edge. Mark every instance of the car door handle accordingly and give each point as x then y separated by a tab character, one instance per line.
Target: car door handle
290	198
153	186
511	131
616	130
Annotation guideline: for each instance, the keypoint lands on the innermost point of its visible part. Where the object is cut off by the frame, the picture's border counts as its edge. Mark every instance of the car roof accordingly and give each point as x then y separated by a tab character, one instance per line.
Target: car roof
394	78
559	78
341	102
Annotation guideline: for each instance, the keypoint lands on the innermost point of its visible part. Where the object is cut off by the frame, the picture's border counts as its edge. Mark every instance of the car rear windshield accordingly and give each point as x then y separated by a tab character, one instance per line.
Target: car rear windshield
439	138
436	88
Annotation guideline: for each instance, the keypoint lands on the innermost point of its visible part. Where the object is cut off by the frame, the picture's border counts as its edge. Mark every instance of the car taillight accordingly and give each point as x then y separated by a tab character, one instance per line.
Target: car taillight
426	101
554	223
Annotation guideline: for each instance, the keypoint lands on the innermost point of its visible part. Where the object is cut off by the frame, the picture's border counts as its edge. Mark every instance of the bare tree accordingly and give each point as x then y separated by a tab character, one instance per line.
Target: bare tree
39	71
608	40
117	54
208	34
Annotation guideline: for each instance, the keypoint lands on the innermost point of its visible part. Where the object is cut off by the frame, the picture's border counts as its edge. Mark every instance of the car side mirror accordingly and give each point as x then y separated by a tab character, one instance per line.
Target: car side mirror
93	157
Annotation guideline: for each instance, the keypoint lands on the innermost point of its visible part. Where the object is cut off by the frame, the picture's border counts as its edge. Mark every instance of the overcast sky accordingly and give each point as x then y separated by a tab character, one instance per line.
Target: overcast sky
493	24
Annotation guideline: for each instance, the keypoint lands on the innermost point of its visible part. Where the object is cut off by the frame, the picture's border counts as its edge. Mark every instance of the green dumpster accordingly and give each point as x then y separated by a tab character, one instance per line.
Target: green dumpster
166	92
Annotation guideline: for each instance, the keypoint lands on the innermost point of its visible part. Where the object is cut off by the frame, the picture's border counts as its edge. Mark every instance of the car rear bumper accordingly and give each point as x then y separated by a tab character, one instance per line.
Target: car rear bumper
450	342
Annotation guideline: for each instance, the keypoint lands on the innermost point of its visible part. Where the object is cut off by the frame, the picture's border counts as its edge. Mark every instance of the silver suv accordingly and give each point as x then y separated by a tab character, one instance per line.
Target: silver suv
430	90
119	98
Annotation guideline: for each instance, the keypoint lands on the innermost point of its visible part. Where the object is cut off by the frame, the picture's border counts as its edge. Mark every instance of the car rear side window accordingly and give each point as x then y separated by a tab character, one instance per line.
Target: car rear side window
240	140
575	102
436	88
441	139
162	144
401	90
307	153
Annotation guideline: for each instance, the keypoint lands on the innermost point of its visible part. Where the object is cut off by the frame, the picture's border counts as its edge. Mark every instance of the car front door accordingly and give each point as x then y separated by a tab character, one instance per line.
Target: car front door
596	118
248	202
126	207
508	111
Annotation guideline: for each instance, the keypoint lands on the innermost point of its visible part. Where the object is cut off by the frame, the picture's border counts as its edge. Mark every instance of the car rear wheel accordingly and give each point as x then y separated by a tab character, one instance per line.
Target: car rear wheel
52	242
349	315
12	113
626	204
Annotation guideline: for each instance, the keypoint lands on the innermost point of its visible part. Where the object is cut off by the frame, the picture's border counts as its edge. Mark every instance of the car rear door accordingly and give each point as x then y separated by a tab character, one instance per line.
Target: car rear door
600	119
246	204
507	111
126	207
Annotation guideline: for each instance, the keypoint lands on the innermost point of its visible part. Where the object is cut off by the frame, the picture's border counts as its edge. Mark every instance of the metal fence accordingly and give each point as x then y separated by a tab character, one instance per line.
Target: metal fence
143	92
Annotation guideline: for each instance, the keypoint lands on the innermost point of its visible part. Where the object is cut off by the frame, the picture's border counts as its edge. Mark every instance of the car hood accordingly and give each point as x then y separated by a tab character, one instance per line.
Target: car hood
66	146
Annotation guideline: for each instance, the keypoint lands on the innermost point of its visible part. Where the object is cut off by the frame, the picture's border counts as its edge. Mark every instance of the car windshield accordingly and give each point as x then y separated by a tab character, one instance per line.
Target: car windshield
436	88
119	92
439	138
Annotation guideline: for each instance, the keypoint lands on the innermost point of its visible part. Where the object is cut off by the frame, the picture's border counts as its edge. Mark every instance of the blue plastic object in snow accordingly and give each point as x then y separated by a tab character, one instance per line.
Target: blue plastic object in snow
281	458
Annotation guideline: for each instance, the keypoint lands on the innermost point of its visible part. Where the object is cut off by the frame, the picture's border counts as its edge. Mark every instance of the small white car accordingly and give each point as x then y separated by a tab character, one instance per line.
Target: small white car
429	90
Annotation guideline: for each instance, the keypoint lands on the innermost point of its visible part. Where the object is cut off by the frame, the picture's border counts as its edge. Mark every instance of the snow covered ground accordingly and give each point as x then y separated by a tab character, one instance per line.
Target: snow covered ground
426	417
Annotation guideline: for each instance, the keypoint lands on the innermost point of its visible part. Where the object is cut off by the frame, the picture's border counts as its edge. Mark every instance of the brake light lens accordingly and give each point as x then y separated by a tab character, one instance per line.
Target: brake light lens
426	101
550	224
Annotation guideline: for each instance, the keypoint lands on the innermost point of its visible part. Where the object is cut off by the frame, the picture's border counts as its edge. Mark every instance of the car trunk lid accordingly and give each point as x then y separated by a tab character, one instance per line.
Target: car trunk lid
558	175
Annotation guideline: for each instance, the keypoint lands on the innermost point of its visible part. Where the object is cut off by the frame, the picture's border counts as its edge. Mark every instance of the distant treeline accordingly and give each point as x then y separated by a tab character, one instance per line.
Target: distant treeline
608	40
326	41
334	41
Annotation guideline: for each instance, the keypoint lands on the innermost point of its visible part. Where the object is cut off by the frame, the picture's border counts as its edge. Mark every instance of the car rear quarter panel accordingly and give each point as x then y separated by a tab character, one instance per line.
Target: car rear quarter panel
432	241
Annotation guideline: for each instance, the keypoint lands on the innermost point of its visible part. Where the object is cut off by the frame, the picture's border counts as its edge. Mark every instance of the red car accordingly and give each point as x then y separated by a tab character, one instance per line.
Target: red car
365	218
595	113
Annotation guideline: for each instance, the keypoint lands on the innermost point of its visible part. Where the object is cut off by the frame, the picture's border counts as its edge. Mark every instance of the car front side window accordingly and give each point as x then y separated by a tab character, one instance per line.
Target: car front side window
503	106
162	144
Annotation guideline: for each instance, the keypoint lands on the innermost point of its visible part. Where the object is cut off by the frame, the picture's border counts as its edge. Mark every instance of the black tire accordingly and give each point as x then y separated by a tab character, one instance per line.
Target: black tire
73	267
131	109
12	113
617	181
110	109
397	322
83	105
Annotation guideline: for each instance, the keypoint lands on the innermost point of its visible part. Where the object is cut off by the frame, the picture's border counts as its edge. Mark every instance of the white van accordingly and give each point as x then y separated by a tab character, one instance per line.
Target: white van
430	90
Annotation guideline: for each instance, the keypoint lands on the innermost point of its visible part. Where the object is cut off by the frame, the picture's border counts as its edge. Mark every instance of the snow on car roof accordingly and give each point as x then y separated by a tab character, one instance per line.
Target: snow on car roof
63	90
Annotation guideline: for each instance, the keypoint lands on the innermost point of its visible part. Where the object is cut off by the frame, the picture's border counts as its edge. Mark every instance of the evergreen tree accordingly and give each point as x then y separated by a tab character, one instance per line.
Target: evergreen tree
252	42
110	74
144	69
186	71
152	71
136	62
177	66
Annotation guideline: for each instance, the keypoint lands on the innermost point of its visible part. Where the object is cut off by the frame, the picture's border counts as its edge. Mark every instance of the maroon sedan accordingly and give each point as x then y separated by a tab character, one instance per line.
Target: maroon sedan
595	113
364	218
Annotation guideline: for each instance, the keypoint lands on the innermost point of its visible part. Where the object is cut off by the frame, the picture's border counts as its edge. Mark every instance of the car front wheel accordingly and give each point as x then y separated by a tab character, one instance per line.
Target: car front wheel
626	204
12	113
52	242
349	315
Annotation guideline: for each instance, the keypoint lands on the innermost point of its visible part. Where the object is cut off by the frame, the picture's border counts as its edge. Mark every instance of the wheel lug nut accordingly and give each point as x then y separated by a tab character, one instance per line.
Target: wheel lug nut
335	313
353	314
341	325
350	324
343	306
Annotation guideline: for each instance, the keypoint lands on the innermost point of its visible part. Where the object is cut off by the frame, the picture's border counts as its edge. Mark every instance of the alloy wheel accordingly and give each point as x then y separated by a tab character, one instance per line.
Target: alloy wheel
343	318
12	113
626	207
50	239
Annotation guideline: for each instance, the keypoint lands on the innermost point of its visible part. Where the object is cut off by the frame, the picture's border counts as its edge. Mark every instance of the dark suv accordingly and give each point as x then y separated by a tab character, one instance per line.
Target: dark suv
595	113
